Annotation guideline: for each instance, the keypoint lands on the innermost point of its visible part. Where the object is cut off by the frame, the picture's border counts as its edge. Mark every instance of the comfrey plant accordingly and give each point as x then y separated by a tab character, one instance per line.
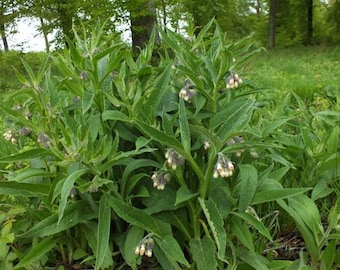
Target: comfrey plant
121	148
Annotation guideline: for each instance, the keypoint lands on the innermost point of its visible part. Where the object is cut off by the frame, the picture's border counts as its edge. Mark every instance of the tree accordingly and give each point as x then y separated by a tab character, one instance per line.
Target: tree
8	14
272	24
202	12
3	26
309	32
333	20
275	22
64	16
142	20
66	11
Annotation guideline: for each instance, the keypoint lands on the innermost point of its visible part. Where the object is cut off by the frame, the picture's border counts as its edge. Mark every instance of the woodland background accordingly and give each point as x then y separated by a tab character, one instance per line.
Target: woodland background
273	22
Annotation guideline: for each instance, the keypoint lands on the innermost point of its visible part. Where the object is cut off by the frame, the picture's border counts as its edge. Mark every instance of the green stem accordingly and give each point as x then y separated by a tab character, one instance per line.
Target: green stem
208	173
215	98
192	209
62	253
324	238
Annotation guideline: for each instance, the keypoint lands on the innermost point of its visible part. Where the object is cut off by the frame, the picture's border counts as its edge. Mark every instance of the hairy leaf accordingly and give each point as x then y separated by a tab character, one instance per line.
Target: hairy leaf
203	252
137	217
216	225
275	194
103	233
66	190
172	249
37	252
77	212
23	189
249	178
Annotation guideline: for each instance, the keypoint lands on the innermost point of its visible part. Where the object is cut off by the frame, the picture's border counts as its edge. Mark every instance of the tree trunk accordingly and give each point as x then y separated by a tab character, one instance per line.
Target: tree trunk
309	33
4	37
66	12
3	28
143	20
45	34
272	15
258	8
164	15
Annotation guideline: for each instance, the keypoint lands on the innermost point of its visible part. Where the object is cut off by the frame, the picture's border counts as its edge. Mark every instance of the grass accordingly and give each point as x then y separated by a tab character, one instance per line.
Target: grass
307	71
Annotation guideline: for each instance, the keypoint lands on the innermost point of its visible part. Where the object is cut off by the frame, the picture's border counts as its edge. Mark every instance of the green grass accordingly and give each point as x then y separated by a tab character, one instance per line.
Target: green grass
307	71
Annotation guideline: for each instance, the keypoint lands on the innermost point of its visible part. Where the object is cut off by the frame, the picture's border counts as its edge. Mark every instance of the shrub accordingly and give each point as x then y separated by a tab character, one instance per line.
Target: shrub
117	162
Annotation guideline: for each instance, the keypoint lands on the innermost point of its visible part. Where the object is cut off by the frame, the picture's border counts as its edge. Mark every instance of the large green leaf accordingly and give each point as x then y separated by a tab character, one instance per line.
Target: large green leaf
39	250
160	201
159	136
126	184
310	237
236	118
328	255
249	178
235	109
275	194
103	233
308	211
163	260
161	86
184	126
29	175
172	249
23	189
203	253
75	213
87	100
241	231
279	264
29	154
115	115
256	261
216	225
184	194
132	239
257	224
66	190
138	217
272	125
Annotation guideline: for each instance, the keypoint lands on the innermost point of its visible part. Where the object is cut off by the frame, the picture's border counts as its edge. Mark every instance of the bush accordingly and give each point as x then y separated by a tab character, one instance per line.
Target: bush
117	163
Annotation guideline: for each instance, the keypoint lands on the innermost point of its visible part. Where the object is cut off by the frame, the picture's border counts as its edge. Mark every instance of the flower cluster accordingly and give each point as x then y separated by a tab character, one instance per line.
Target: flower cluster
223	167
10	136
93	52
206	144
145	247
44	140
173	159
187	92
235	140
83	75
160	179
25	131
233	80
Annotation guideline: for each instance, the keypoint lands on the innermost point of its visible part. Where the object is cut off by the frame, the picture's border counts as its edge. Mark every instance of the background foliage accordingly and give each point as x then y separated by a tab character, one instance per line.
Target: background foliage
297	22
